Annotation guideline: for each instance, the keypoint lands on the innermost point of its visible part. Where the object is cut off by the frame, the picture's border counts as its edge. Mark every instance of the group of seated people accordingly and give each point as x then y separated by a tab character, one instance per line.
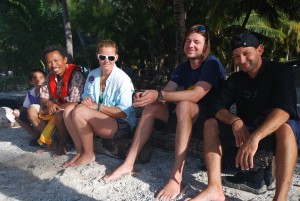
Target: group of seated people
265	122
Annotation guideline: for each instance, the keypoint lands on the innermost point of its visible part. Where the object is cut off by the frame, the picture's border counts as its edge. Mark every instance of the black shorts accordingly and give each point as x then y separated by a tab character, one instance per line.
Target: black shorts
228	139
124	129
23	116
263	156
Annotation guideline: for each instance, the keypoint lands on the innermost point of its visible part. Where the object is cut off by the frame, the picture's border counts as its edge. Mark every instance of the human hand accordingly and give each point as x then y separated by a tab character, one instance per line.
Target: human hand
16	112
52	108
87	101
240	132
147	97
246	152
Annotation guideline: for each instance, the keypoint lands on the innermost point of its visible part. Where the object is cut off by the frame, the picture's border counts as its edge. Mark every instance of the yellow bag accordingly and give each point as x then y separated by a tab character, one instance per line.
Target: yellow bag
47	133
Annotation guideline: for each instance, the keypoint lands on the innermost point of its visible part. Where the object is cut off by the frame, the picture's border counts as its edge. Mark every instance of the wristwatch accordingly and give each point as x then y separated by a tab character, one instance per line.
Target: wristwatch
160	96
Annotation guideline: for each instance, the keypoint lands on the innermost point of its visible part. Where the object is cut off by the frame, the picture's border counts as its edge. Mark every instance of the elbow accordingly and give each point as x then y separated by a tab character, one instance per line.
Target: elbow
122	115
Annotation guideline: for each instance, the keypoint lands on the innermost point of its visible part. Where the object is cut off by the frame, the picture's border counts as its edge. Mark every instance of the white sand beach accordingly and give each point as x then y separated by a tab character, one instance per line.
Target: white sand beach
27	175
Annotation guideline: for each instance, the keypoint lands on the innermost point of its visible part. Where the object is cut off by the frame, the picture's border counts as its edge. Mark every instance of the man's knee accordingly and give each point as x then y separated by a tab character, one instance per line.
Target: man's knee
155	110
184	105
31	111
211	128
210	123
283	132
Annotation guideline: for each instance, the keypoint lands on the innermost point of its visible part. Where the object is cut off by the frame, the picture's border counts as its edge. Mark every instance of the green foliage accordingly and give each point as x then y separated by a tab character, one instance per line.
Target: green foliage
26	27
143	29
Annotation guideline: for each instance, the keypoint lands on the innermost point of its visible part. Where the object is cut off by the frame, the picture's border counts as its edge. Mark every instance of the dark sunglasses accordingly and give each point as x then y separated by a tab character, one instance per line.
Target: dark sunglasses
103	57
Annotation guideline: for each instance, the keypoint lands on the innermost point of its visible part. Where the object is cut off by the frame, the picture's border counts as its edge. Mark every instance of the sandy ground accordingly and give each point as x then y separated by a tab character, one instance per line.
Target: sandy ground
27	175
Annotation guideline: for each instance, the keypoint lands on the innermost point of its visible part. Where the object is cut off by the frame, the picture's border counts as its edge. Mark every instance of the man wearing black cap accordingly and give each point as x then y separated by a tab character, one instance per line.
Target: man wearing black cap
265	98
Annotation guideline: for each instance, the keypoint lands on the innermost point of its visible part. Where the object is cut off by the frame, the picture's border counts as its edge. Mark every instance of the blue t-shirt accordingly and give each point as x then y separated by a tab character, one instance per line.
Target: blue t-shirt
211	71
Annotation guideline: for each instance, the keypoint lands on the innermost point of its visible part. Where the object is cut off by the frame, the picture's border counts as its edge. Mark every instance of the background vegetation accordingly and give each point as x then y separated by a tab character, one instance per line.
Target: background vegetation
149	32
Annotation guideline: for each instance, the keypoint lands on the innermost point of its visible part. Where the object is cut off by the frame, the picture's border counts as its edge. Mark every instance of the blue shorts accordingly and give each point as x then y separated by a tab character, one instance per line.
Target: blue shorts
227	137
295	125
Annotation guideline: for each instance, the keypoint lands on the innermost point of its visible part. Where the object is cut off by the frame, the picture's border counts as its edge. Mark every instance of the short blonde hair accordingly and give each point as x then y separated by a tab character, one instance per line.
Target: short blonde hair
106	43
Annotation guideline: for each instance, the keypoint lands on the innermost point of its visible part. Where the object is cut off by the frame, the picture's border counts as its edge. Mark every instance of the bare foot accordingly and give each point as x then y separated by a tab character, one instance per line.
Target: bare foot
83	160
210	193
170	191
118	173
70	162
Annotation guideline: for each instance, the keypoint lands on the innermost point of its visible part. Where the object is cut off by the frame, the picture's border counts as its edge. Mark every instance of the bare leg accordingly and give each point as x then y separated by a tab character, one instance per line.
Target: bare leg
286	158
62	134
33	117
68	119
141	136
27	127
213	154
88	123
187	113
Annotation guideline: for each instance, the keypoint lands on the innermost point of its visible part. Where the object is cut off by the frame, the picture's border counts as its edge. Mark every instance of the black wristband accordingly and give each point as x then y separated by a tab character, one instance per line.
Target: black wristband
159	96
235	121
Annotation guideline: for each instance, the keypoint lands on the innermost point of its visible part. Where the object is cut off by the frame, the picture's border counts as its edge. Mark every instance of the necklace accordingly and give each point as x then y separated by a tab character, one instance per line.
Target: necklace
102	89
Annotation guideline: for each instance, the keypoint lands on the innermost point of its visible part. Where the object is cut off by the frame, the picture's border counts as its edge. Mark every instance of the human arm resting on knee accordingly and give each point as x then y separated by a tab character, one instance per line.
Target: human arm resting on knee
274	120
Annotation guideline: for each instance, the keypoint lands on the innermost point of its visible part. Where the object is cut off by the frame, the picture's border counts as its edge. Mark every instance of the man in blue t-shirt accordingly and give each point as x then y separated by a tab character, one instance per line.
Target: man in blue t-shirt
199	77
265	98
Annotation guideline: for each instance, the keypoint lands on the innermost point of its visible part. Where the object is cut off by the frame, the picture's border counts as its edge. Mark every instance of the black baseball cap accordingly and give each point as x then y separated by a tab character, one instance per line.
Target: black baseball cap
244	40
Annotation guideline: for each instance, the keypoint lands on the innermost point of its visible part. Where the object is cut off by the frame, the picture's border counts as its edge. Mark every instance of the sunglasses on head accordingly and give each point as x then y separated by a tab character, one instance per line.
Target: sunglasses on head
201	28
103	57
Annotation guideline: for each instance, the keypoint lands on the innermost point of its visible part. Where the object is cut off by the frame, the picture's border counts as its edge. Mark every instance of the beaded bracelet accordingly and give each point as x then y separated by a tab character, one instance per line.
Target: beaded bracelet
235	121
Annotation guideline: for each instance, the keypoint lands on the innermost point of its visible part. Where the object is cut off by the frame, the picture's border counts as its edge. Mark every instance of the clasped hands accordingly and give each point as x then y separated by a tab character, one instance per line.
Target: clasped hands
144	98
52	108
88	102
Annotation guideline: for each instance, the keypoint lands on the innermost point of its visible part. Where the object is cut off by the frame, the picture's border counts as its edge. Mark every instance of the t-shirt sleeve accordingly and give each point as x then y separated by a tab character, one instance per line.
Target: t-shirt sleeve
26	102
211	73
284	97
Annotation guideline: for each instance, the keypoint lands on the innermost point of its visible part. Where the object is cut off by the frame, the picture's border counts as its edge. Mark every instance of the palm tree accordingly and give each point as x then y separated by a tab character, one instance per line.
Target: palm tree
26	27
179	15
67	25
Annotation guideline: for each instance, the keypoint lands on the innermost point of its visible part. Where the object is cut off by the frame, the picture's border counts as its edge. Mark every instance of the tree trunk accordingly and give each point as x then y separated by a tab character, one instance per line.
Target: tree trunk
179	14
67	24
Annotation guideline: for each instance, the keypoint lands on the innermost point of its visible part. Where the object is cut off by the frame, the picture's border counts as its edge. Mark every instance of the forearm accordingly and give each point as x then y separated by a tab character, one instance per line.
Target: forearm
44	105
200	89
226	116
112	111
185	95
64	105
274	120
